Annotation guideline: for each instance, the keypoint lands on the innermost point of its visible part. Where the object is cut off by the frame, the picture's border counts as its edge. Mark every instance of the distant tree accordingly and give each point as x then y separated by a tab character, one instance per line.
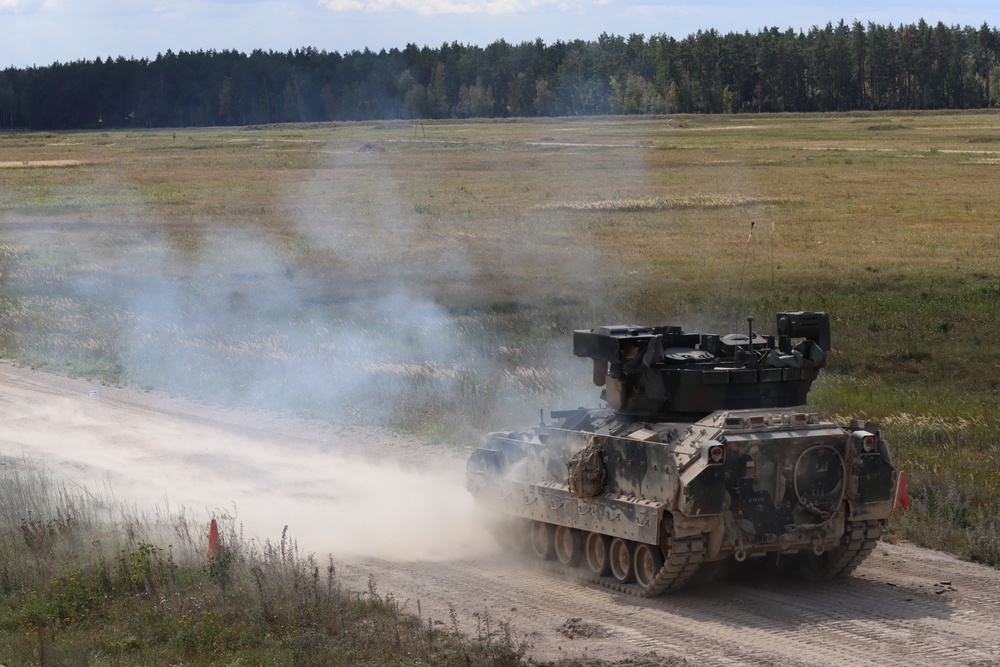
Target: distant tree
227	111
8	101
834	68
437	94
544	99
475	101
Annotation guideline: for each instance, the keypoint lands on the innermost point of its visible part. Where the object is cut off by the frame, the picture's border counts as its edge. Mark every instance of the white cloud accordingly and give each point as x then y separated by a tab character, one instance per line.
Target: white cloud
429	7
22	6
344	5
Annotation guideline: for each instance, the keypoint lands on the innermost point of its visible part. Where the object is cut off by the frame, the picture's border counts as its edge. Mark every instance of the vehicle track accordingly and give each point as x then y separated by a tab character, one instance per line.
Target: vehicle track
904	605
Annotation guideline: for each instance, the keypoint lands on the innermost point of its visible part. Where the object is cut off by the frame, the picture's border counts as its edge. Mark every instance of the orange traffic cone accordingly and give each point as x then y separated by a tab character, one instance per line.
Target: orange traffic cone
214	541
902	500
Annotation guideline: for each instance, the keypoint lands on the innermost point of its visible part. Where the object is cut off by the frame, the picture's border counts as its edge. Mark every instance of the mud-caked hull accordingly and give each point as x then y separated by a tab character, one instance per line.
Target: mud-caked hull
648	502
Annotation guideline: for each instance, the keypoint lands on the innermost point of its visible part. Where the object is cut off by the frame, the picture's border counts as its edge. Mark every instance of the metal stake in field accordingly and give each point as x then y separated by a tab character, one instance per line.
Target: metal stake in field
772	254
746	256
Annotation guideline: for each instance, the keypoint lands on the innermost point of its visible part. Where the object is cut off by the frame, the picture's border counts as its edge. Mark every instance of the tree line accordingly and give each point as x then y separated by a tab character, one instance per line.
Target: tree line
835	68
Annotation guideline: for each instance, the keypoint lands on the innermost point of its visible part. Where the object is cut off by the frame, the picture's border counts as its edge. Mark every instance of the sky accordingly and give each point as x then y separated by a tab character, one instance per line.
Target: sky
42	32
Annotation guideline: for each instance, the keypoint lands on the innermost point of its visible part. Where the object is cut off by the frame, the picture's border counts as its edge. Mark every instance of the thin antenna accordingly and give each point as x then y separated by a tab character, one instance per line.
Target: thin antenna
746	256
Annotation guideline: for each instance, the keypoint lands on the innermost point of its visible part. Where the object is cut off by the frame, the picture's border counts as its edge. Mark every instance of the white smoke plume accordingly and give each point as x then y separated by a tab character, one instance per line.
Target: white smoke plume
365	306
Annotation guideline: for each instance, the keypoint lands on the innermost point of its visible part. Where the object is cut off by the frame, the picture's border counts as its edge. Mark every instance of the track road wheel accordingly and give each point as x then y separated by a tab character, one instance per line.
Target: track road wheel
597	549
681	559
569	546
517	535
860	538
622	560
648	561
541	540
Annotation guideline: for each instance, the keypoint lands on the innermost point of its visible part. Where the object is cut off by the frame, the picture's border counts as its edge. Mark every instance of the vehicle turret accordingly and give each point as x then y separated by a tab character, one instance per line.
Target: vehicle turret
664	373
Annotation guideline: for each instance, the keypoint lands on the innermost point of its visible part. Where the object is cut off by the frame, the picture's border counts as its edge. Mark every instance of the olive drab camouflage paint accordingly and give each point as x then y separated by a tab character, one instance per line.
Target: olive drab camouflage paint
701	455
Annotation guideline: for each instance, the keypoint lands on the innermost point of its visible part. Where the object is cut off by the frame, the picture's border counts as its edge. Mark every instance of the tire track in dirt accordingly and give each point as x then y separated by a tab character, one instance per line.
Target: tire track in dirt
720	623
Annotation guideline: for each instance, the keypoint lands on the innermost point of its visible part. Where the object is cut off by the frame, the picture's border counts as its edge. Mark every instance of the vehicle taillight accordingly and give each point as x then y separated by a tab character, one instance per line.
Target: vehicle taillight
716	453
866	441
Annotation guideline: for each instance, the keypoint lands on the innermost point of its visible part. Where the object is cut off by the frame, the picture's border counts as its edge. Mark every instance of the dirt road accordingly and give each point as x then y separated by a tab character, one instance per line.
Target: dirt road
396	508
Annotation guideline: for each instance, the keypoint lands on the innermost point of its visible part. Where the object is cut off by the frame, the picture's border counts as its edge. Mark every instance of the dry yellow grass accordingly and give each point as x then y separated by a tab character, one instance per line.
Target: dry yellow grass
449	260
663	203
34	164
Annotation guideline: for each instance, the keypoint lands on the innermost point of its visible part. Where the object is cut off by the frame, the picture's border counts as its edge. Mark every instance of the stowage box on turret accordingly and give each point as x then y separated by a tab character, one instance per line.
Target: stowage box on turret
701	455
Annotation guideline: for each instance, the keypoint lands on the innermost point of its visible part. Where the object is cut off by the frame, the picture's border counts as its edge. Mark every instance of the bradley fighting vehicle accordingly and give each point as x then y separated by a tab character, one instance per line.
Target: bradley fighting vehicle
700	456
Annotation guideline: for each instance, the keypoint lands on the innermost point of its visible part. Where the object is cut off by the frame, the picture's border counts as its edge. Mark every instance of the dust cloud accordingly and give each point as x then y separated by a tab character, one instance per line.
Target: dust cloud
230	317
330	500
361	306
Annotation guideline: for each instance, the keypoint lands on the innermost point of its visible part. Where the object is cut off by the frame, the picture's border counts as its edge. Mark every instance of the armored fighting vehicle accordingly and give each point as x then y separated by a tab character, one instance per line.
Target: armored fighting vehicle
701	454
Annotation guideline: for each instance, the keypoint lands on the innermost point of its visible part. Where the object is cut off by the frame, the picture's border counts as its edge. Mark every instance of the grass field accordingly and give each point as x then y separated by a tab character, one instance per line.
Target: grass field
426	276
86	580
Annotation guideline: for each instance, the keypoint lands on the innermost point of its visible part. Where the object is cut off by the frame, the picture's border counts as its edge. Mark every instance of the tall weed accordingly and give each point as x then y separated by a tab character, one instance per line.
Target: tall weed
87	581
